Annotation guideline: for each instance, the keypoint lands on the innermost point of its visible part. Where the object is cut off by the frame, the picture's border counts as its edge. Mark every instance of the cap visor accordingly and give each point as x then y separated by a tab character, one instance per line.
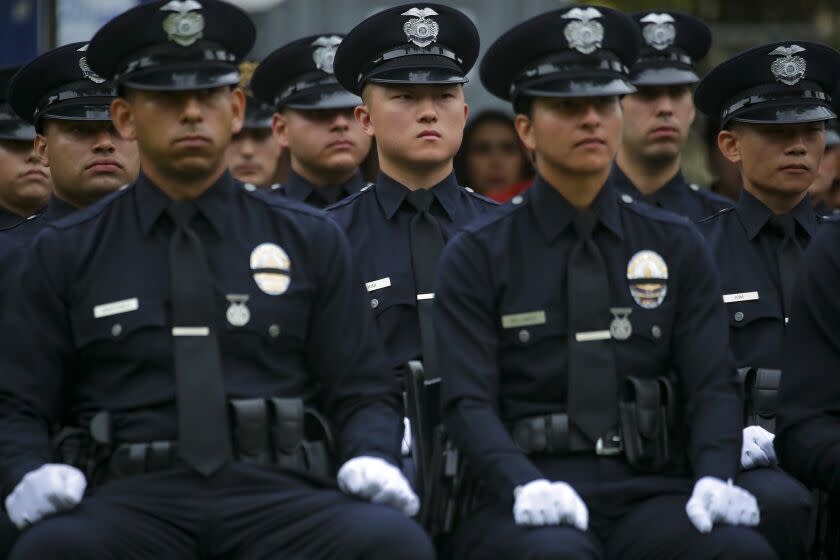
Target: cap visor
418	69
663	77
185	79
832	138
332	98
16	130
578	87
786	114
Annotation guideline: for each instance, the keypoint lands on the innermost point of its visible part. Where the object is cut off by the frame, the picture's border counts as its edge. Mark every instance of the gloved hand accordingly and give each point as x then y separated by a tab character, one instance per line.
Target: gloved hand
380	482
48	489
714	500
757	449
541	502
406	440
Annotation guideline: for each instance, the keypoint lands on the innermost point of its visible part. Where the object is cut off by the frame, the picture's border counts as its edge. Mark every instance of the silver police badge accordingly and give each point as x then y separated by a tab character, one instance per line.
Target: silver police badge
324	53
421	30
185	26
86	70
660	31
237	314
647	275
584	35
621	328
789	69
271	268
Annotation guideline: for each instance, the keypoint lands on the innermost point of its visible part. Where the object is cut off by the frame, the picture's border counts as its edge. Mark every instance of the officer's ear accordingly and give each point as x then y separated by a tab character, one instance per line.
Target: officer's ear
729	144
362	112
123	118
41	148
525	129
237	100
279	122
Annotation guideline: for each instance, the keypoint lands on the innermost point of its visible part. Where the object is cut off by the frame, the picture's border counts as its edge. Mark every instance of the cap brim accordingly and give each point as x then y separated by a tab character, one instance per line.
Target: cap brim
832	138
786	114
663	77
186	79
578	87
89	112
330	98
17	130
418	69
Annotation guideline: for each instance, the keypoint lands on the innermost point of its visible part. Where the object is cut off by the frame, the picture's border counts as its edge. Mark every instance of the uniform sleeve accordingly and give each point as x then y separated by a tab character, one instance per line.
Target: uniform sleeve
37	344
808	440
345	350
706	373
465	326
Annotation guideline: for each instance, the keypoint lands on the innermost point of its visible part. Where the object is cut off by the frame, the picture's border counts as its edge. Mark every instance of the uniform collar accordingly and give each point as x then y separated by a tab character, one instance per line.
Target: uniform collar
8	218
754	215
670	189
214	203
298	188
554	213
57	209
391	194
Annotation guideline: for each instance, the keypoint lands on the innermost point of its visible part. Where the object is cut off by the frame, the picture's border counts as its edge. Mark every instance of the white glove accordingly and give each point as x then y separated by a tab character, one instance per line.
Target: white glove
380	482
48	489
757	449
713	500
406	440
541	502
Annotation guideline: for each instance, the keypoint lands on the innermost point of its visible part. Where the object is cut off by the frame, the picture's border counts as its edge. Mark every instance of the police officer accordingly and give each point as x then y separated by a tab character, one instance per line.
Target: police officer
409	64
314	120
255	154
196	411
573	296
24	179
69	105
658	116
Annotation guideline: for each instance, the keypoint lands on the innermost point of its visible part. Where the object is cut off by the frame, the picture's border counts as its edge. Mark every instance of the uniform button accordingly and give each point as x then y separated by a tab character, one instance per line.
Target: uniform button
656	331
739	316
693	187
524	336
374	303
626	198
274	331
116	330
468	189
517	199
249	187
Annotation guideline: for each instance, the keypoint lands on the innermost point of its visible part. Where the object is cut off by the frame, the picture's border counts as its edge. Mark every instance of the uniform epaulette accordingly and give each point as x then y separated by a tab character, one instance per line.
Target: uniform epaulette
480	197
369	188
271	199
648	211
500	212
715	215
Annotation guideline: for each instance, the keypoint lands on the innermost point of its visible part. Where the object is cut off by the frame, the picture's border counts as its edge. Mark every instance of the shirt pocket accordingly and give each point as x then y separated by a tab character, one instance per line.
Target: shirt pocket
116	321
280	319
396	290
529	329
653	325
746	314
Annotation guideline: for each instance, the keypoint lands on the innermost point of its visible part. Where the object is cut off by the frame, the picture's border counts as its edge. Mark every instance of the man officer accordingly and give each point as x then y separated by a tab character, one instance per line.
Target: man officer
658	116
196	414
255	154
25	185
314	120
546	368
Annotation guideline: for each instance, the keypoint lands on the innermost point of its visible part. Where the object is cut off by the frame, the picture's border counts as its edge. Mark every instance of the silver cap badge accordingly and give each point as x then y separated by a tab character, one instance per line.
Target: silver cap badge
86	70
324	53
421	30
789	69
185	26
584	35
660	31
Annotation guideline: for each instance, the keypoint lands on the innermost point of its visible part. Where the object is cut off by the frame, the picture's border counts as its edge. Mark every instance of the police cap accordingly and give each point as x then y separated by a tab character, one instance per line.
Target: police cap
60	84
300	75
582	51
12	127
258	115
408	44
173	45
671	45
786	82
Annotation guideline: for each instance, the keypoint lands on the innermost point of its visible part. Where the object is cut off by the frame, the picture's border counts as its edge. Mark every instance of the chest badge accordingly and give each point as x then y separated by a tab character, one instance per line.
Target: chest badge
238	313
647	276
621	328
271	268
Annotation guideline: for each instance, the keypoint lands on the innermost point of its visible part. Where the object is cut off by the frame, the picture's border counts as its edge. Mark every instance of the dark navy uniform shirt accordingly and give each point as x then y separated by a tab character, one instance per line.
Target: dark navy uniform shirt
27	229
298	188
808	421
745	251
501	320
93	323
377	222
8	218
677	195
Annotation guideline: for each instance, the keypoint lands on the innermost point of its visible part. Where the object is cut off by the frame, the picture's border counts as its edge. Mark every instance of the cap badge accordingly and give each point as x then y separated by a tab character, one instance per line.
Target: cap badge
421	30
660	31
584	35
184	27
789	69
324	54
86	70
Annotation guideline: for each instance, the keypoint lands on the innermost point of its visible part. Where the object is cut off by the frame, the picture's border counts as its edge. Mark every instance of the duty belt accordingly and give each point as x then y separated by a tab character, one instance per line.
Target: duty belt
549	435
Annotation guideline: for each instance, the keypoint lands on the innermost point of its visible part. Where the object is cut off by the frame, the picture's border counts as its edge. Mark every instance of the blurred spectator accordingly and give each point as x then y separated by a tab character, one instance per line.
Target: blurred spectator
492	160
823	191
727	175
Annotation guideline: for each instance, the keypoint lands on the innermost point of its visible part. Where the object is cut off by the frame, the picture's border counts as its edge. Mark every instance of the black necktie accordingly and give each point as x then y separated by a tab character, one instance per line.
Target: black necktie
203	432
592	397
789	255
426	246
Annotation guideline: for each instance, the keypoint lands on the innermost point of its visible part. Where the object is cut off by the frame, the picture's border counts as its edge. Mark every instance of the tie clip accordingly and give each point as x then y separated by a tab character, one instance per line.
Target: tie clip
190	331
591	336
421	297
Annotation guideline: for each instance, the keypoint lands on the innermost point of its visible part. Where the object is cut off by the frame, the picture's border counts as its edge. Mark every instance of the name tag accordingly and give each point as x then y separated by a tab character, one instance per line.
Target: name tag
591	336
744	296
378	284
528	319
190	331
421	297
116	307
